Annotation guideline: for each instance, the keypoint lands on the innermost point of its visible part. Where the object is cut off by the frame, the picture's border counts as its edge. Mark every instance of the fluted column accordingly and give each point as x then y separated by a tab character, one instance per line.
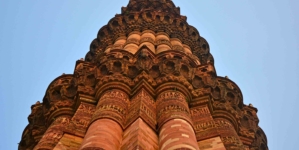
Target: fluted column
228	134
53	133
174	120
105	131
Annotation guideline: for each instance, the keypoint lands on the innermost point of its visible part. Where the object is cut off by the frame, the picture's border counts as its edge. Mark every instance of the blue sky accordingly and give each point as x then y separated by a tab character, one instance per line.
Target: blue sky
254	43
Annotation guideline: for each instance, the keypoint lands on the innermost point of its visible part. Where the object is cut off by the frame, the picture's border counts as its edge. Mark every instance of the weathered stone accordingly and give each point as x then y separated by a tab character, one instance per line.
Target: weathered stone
148	82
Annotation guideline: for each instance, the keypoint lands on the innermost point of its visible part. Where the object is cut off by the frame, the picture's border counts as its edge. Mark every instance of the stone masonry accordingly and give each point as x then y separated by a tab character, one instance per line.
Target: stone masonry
148	82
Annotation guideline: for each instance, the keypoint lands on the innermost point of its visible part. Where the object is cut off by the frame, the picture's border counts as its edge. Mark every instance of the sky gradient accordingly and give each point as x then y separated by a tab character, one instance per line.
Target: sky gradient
254	43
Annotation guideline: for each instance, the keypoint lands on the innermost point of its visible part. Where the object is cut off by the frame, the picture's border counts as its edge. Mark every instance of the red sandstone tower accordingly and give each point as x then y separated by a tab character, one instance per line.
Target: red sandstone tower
148	83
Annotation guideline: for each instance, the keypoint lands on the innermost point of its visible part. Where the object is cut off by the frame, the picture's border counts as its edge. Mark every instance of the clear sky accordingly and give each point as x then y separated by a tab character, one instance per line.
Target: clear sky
254	43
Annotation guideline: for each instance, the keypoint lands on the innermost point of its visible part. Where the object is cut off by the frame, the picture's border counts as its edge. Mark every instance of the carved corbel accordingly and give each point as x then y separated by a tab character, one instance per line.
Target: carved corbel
110	67
125	68
177	67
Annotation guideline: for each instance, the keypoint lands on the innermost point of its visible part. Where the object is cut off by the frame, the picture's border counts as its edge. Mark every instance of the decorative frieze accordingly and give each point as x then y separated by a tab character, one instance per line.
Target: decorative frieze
147	68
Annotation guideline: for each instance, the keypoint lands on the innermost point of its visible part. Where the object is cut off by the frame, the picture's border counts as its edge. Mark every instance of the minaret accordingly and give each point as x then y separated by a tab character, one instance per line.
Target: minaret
148	83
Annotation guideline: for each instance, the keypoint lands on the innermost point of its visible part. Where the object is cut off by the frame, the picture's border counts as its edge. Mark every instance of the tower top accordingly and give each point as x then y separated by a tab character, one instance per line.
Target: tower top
152	15
151	5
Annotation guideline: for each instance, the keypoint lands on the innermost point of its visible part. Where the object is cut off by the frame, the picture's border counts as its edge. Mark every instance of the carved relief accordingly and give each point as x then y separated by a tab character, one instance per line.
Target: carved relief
248	123
172	104
186	72
151	18
81	119
57	105
154	71
27	141
85	76
142	105
167	50
168	67
35	129
200	113
113	104
53	133
197	82
260	141
144	61
232	143
201	92
63	88
171	95
86	90
102	71
228	134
